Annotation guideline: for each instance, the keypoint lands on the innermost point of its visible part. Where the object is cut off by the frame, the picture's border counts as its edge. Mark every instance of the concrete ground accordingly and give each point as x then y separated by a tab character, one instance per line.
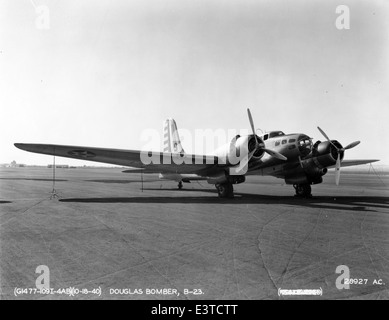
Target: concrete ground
104	232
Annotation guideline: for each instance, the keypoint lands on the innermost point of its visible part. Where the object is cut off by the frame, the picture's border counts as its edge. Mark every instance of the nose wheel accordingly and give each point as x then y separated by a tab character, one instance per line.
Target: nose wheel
303	190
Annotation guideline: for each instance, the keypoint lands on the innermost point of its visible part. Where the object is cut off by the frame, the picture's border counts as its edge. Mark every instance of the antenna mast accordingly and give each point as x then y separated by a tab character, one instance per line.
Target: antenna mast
54	193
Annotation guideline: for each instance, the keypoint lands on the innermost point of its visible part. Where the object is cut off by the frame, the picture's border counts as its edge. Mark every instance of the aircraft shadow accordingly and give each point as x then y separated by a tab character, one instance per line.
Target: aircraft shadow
213	190
120	181
33	179
348	203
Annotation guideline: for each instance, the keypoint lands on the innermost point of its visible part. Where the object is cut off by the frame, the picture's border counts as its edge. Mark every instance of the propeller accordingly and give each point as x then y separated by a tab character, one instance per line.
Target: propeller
258	146
351	145
339	150
337	170
252	126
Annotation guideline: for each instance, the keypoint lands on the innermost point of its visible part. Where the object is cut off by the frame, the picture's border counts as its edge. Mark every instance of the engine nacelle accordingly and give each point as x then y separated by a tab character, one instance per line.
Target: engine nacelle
238	148
224	177
324	154
314	167
311	176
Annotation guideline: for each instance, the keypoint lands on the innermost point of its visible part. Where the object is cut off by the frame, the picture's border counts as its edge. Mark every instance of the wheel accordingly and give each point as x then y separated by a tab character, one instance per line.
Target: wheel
303	190
180	185
225	190
299	190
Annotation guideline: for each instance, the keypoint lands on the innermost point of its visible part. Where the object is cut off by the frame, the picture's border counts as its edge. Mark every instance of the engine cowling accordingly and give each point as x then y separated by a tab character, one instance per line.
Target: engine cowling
324	154
240	146
314	167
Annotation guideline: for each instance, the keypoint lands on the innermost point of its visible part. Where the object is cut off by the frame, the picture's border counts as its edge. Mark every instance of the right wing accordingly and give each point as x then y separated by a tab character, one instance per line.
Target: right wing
350	163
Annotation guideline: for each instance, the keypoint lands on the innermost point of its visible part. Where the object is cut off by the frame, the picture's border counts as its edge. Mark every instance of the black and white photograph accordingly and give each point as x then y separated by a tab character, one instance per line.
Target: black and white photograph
194	154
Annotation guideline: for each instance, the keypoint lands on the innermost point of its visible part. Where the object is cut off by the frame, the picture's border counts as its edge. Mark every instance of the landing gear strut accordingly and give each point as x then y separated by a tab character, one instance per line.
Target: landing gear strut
180	185
225	190
303	190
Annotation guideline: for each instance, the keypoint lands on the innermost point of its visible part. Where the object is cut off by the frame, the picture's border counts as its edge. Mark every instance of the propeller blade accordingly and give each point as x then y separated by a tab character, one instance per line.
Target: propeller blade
275	154
252	125
324	134
328	139
351	145
337	170
339	150
271	152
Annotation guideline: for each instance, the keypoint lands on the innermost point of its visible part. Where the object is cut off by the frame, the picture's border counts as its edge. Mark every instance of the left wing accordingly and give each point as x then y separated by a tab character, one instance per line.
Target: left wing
163	162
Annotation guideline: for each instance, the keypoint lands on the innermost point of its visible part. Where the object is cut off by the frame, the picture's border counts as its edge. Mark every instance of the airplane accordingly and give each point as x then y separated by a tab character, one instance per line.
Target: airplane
292	157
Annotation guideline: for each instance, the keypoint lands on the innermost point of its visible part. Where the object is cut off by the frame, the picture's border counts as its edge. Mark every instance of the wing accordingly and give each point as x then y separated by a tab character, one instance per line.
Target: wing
162	162
349	163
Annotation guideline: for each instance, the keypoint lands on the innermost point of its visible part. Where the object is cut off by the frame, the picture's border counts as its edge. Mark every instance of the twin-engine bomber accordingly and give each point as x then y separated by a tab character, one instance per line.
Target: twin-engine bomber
292	157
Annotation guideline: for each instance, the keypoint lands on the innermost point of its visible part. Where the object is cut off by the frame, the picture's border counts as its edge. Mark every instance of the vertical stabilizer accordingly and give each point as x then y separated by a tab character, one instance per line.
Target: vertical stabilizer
171	139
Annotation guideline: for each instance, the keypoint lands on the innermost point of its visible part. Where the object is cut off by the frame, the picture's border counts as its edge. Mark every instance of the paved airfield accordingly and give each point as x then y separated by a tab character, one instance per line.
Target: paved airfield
106	233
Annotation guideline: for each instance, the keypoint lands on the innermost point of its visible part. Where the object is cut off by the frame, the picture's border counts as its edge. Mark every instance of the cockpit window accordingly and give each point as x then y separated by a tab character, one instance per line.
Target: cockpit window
304	144
276	134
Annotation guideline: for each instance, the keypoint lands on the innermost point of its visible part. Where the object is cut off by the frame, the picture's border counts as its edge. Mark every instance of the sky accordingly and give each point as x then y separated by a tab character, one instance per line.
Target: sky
99	73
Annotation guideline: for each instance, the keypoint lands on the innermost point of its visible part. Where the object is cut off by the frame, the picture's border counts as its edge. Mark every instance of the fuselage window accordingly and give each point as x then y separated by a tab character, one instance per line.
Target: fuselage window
292	140
265	137
278	143
284	141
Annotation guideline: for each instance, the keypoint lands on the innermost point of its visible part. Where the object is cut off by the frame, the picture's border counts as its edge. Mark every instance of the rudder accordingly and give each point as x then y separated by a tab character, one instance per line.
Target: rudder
171	139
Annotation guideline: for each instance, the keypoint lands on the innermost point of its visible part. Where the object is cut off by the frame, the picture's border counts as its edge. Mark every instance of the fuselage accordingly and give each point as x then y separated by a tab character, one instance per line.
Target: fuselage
292	145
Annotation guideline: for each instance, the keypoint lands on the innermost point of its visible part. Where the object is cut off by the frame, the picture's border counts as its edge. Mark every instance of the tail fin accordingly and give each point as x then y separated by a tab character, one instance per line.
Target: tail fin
171	139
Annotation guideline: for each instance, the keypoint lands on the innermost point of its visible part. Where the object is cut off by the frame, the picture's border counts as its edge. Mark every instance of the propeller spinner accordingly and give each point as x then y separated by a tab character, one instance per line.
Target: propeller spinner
339	150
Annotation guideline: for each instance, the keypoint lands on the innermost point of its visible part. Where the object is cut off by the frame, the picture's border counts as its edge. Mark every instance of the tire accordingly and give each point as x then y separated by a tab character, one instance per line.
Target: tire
225	190
303	190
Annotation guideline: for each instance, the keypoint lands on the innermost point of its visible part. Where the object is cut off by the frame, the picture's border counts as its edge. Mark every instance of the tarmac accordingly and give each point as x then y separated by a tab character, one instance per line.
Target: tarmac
105	233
